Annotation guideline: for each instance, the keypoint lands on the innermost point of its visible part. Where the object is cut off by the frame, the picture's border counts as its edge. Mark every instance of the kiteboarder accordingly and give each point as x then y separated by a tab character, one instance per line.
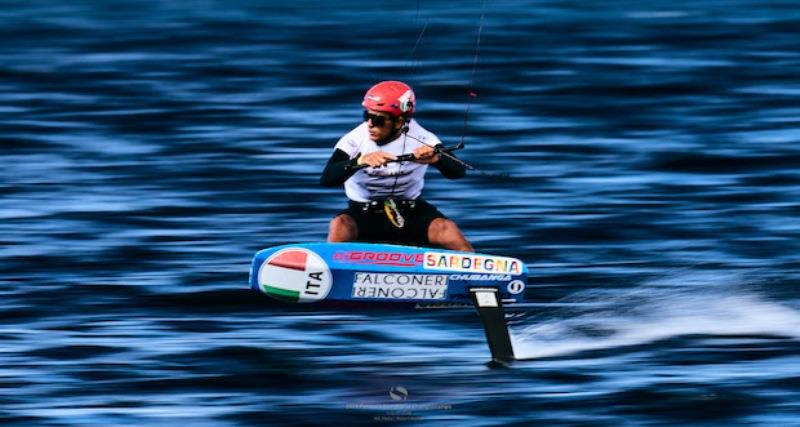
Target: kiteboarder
384	192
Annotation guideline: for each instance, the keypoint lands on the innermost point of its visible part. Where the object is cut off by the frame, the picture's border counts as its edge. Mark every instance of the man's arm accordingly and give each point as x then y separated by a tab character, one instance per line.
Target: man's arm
450	168
338	169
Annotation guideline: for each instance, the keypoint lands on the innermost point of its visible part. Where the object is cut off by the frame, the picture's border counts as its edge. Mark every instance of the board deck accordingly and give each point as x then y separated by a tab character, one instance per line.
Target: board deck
382	273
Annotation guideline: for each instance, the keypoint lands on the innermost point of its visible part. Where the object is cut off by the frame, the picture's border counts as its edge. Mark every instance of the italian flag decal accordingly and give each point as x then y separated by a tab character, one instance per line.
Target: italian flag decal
295	275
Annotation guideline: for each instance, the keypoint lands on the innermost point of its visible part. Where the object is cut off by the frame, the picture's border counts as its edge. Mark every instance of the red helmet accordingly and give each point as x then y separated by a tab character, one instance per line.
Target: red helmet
393	97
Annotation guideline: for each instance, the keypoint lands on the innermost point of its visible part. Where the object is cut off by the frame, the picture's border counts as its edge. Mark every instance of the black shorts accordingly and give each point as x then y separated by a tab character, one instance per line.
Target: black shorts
375	226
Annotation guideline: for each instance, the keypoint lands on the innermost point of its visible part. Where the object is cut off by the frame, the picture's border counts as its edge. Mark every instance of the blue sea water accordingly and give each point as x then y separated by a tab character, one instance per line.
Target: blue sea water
150	148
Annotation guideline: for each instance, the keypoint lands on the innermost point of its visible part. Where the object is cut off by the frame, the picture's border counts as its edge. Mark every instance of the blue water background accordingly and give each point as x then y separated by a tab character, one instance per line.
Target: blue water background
150	148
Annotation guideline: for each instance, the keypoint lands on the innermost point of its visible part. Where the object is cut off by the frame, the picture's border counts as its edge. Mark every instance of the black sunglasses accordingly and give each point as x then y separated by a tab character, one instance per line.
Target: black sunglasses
376	119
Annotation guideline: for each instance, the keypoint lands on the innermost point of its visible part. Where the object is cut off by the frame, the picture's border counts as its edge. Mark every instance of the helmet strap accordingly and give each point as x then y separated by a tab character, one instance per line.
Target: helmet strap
397	132
406	124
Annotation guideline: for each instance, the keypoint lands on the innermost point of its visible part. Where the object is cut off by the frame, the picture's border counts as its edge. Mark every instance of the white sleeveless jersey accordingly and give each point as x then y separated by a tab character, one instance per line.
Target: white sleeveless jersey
398	180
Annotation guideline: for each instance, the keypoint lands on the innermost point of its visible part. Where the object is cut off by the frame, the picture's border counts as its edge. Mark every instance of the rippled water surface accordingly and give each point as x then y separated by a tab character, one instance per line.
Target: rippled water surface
150	148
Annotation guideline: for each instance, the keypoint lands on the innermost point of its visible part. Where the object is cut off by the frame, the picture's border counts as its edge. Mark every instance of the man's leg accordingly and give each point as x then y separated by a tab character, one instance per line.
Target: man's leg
343	228
445	233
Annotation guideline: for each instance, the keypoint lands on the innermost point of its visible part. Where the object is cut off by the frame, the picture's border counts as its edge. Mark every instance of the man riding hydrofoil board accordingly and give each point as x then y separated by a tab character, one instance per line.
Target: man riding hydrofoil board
384	193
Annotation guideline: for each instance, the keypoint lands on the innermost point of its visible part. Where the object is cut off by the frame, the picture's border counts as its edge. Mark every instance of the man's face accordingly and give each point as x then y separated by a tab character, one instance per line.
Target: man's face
381	132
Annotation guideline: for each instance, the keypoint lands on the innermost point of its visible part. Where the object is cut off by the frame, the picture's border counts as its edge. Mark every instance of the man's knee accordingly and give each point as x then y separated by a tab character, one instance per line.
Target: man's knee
441	226
343	221
342	229
445	232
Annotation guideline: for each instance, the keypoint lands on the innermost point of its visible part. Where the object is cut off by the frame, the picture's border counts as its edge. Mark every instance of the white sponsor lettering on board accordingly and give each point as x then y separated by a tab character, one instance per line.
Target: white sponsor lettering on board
472	263
399	286
481	277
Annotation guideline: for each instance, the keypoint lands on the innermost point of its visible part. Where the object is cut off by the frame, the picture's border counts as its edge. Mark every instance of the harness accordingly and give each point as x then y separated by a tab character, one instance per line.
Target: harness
390	207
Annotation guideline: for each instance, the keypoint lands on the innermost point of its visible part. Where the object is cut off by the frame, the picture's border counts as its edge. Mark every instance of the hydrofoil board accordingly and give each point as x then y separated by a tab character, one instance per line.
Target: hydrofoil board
368	272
